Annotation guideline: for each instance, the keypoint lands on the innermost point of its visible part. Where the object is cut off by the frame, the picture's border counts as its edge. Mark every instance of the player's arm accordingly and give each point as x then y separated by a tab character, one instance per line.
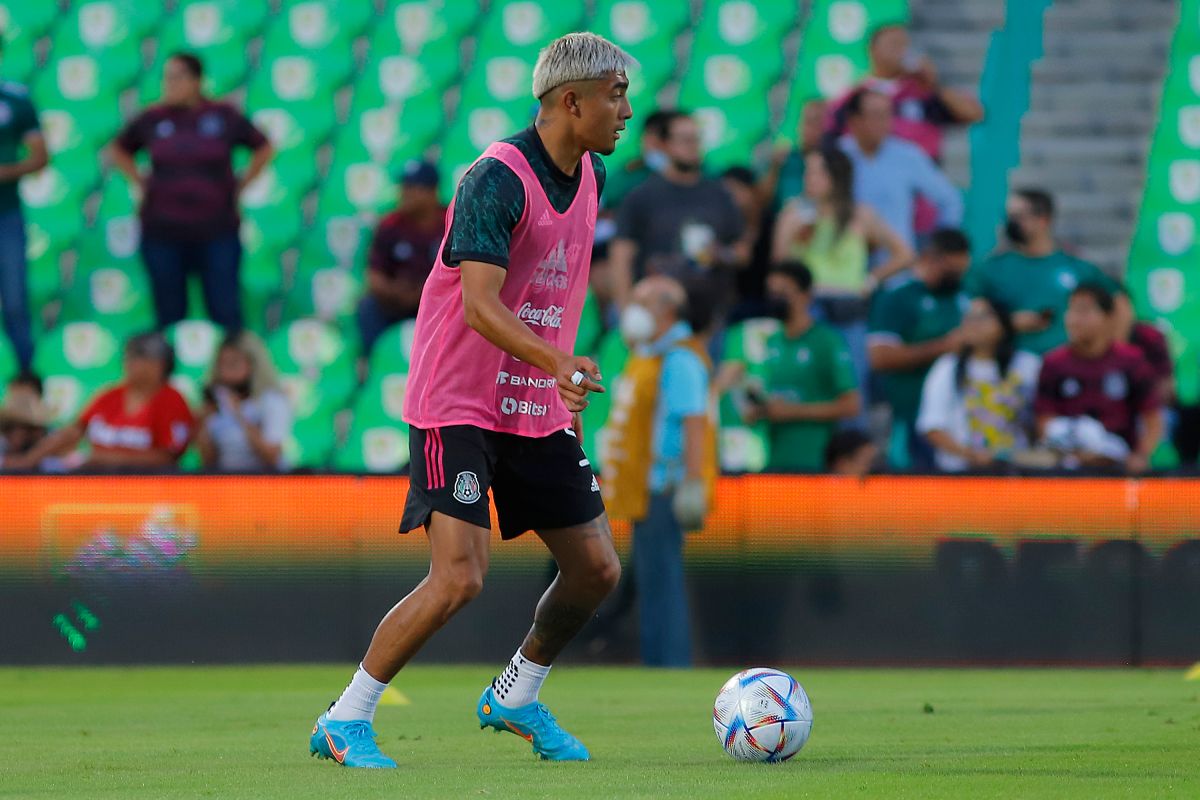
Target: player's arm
486	314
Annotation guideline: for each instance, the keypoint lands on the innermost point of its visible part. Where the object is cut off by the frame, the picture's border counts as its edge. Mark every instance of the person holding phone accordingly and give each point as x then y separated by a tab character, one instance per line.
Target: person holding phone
1034	277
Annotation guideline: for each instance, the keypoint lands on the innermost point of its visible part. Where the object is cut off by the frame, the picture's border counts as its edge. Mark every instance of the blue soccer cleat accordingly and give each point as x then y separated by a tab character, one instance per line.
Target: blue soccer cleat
535	724
351	744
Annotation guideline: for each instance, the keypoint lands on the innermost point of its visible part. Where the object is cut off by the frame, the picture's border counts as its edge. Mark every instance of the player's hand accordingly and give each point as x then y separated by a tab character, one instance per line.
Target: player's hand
690	504
576	376
1137	464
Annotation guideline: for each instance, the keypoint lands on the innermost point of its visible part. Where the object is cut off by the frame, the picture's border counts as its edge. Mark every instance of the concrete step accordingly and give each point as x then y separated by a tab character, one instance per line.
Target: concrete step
1091	122
1112	179
956	14
956	156
1110	258
1115	67
1114	205
1123	98
1086	152
1092	231
952	44
1124	16
1152	44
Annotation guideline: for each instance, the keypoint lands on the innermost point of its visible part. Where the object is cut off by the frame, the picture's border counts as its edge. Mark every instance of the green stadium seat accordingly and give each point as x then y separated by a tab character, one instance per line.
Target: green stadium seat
215	30
379	449
195	342
295	130
336	240
292	79
8	361
743	24
362	187
399	78
330	293
742	447
275	187
730	132
70	127
730	77
641	24
26	19
408	26
75	361
261	279
318	23
311	441
111	32
525	24
116	296
43	253
210	21
392	350
53	200
391	135
309	351
269	229
501	79
591	326
75	78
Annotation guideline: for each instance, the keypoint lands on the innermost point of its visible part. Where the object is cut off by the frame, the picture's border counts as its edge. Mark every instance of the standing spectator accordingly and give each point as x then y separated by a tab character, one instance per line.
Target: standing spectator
189	199
784	179
757	222
851	452
1035	278
652	160
245	418
660	459
677	223
19	128
890	173
912	324
834	235
977	403
141	424
24	419
809	376
921	107
403	252
1097	399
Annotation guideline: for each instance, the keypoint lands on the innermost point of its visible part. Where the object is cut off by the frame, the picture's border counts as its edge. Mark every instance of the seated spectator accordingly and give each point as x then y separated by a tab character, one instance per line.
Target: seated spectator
189	208
784	178
921	107
24	419
810	385
851	452
677	223
913	323
143	423
833	234
890	173
1035	277
1146	338
977	403
619	183
1097	399
245	417
403	252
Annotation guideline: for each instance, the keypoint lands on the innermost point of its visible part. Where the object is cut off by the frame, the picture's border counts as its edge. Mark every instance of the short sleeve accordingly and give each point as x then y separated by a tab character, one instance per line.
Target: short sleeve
132	137
171	428
245	133
732	224
976	282
937	396
26	118
842	376
1145	387
630	219
887	318
684	384
487	206
92	409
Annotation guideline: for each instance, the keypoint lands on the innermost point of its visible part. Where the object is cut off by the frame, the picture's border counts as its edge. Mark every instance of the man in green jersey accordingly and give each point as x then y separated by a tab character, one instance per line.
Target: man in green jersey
1035	278
19	131
912	323
809	377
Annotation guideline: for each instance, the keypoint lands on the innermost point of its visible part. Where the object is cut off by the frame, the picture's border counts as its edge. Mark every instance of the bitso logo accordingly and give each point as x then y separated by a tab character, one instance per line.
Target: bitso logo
466	487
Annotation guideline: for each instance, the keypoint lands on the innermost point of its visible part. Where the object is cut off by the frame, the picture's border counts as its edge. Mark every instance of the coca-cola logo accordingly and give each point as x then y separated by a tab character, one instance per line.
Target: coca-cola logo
548	317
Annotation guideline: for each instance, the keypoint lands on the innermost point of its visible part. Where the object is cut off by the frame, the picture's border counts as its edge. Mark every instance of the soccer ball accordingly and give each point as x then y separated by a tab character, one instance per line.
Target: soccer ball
762	715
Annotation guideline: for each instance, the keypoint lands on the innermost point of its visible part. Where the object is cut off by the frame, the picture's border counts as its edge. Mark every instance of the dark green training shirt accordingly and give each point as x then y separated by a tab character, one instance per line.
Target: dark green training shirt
17	120
490	200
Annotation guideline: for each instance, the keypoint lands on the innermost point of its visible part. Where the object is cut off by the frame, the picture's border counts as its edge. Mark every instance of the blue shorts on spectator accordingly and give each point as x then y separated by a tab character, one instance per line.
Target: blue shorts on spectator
217	261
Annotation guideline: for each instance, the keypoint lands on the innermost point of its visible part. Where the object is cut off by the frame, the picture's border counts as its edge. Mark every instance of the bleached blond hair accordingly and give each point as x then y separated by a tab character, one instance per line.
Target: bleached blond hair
577	57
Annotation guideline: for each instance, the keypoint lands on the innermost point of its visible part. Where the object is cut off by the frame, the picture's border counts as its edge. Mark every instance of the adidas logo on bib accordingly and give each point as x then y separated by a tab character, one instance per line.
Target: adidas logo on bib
545	219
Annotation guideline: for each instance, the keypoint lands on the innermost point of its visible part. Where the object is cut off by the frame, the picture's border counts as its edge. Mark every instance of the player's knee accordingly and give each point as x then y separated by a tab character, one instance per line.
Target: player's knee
461	585
607	574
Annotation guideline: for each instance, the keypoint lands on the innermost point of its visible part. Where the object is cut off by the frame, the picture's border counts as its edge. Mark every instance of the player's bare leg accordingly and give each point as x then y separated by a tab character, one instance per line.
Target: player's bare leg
588	570
458	562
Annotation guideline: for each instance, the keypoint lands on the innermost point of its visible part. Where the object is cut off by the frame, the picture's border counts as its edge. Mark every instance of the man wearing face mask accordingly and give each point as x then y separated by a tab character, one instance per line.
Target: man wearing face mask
652	161
912	324
660	460
1034	277
678	222
810	386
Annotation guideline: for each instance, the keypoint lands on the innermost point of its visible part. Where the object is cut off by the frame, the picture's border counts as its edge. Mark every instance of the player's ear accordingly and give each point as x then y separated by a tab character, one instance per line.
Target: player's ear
570	101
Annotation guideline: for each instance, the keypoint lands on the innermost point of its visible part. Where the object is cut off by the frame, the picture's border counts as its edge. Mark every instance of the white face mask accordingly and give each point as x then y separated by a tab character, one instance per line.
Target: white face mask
656	160
637	324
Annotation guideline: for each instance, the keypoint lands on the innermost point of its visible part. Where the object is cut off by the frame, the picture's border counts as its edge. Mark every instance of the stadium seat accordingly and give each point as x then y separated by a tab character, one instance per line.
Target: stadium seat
74	127
388	135
728	24
26	19
211	21
730	132
500	79
117	296
392	350
268	230
329	293
524	24
53	200
311	442
317	24
75	361
261	280
338	239
45	277
110	31
591	326
409	25
641	25
8	361
195	342
378	438
307	352
744	448
294	131
80	78
361	187
292	79
397	77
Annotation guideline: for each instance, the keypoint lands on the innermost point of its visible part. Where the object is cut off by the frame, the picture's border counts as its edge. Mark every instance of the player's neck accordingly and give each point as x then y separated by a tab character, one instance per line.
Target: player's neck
560	145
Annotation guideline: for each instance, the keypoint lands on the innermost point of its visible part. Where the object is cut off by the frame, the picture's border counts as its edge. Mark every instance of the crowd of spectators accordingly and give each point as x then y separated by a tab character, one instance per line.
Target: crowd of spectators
894	349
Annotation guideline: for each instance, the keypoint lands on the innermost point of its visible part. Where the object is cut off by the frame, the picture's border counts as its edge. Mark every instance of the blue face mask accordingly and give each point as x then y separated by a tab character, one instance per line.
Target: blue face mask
656	160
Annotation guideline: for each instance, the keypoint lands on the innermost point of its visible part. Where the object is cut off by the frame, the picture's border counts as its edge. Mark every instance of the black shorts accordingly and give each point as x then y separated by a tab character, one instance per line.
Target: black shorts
537	483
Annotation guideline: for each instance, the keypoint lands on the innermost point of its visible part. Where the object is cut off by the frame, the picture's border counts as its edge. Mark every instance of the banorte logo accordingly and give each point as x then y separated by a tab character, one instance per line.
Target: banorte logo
548	317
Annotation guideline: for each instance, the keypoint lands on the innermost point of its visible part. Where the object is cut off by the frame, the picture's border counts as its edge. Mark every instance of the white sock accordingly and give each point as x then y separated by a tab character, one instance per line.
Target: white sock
518	685
359	699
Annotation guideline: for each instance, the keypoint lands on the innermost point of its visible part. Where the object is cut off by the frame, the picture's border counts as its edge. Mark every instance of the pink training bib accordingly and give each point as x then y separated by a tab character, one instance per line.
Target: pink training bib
459	378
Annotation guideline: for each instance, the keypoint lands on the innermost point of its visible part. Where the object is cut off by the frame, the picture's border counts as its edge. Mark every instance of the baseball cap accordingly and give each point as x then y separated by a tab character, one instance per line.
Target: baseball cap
419	173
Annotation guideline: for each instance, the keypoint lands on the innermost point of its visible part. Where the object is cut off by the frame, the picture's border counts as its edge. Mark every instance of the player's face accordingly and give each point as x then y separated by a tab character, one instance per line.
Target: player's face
603	110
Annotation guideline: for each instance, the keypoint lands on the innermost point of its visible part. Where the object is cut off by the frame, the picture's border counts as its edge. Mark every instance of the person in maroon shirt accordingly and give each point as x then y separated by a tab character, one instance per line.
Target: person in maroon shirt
1095	376
403	252
1148	339
189	198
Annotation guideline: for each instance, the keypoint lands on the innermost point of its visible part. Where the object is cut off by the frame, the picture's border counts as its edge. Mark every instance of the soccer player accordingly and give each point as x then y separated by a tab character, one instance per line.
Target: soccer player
493	399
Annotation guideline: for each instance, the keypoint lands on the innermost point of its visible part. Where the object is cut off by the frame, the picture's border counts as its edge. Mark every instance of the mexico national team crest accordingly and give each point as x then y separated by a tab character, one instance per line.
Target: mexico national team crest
466	487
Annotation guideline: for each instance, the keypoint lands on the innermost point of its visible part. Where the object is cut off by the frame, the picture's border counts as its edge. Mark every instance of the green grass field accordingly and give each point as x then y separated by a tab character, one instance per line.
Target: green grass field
242	733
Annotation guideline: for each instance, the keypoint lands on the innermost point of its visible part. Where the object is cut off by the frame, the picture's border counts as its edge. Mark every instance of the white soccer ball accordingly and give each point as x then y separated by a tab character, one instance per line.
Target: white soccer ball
762	714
